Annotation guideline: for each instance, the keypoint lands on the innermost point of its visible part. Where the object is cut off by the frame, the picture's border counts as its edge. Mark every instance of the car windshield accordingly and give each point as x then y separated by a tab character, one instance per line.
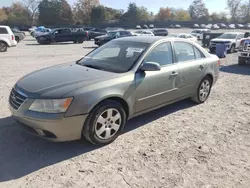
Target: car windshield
227	36
112	33
115	56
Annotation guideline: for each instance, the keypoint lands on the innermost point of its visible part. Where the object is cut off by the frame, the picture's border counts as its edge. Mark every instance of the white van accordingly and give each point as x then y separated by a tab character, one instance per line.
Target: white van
7	38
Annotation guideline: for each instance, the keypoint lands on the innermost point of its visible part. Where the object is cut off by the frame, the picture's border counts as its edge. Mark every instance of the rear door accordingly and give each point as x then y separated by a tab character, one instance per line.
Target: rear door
5	34
191	66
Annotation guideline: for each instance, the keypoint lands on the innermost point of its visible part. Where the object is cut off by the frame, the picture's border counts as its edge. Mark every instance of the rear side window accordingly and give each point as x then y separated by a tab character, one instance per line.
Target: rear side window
198	54
184	51
3	30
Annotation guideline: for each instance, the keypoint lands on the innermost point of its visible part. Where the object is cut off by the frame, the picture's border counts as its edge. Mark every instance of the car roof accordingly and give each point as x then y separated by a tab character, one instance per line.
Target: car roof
148	39
233	33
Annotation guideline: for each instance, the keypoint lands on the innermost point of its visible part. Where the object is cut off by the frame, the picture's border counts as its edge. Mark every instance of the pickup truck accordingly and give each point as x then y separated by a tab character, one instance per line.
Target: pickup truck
244	51
76	35
7	38
230	39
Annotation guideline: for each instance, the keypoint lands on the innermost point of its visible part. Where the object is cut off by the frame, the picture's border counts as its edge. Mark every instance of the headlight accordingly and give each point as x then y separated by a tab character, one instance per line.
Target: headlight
51	106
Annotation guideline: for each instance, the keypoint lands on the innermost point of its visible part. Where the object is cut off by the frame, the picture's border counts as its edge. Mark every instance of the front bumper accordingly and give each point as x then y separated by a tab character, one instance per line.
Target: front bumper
54	127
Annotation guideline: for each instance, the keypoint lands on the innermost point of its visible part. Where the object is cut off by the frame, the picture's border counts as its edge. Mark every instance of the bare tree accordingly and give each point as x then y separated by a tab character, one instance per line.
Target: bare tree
32	9
234	6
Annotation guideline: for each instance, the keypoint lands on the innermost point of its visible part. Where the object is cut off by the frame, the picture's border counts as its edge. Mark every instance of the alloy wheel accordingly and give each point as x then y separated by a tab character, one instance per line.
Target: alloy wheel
204	90
108	123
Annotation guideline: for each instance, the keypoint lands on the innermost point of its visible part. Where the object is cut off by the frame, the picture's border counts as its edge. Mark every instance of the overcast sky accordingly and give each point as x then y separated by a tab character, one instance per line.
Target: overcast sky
152	5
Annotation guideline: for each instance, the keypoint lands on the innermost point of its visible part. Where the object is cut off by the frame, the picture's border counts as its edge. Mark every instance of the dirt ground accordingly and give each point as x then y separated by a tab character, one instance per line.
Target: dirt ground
181	145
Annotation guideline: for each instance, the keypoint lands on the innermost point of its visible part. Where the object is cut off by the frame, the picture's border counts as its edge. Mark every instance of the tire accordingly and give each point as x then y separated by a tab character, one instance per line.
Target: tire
75	42
3	46
232	49
80	40
204	82
17	39
241	61
99	124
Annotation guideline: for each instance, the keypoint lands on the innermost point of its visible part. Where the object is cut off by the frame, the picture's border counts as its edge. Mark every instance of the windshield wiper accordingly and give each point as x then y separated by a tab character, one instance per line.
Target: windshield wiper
93	67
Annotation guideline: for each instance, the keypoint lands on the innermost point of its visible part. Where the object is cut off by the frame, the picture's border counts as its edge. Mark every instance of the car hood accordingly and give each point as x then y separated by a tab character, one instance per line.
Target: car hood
222	40
56	81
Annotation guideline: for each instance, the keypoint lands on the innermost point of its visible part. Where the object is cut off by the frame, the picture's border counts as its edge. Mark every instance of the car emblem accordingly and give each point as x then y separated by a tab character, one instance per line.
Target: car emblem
13	97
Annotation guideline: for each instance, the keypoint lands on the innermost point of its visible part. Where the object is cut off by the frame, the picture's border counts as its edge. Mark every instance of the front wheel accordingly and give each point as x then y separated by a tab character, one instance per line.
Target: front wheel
3	46
203	90
105	123
232	49
17	39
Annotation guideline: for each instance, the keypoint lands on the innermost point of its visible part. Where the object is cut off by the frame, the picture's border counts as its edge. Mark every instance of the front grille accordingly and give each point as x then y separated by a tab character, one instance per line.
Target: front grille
16	99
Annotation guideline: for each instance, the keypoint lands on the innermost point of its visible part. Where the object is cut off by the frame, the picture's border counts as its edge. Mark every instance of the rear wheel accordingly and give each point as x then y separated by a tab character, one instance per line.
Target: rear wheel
3	46
241	61
203	90
105	123
80	40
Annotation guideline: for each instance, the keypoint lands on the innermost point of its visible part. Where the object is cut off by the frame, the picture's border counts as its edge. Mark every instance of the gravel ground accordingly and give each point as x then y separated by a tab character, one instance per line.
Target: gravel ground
181	145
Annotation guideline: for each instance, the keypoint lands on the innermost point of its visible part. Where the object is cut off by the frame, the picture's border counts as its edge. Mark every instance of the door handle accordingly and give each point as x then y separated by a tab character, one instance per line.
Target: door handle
174	73
201	67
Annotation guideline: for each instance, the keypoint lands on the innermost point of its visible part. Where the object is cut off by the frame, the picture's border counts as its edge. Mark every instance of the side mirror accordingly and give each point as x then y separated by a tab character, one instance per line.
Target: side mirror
150	66
56	32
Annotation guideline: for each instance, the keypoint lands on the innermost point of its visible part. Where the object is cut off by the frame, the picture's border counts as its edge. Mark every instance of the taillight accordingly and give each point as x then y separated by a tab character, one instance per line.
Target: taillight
218	62
87	33
12	37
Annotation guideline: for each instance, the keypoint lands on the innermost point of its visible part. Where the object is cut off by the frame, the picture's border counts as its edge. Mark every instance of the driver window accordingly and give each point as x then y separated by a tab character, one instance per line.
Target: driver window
161	54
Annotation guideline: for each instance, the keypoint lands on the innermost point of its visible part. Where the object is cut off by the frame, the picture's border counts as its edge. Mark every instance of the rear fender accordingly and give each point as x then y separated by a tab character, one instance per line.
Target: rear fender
5	40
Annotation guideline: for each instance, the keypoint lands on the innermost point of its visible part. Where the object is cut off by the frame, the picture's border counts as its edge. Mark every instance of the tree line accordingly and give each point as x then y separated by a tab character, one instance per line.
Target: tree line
86	12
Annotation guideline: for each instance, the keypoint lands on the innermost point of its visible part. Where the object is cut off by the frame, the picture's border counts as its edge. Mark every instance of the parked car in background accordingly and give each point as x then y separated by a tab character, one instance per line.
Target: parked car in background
198	33
231	26
120	80
203	26
196	26
230	39
76	35
7	38
138	27
239	26
177	26
215	27
222	26
99	41
18	31
171	26
143	33
87	28
145	27
96	32
114	28
42	32
209	26
244	51
247	26
160	32
18	35
183	36
151	26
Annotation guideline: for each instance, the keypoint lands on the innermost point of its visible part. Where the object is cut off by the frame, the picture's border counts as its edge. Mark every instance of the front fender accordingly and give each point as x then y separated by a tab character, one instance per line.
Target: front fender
86	98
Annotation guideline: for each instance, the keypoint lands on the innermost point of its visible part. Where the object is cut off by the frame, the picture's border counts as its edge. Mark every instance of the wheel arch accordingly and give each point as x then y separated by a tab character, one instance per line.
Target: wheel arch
118	99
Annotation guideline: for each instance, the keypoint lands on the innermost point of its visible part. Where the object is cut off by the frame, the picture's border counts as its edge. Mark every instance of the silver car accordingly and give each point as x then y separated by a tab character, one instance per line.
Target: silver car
96	95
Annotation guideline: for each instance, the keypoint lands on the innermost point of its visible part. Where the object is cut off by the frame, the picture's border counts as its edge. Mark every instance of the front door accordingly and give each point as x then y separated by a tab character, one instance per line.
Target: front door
154	88
191	64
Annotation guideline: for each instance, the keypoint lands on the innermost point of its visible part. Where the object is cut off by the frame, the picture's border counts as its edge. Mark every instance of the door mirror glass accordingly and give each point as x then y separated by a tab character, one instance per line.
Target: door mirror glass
150	66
